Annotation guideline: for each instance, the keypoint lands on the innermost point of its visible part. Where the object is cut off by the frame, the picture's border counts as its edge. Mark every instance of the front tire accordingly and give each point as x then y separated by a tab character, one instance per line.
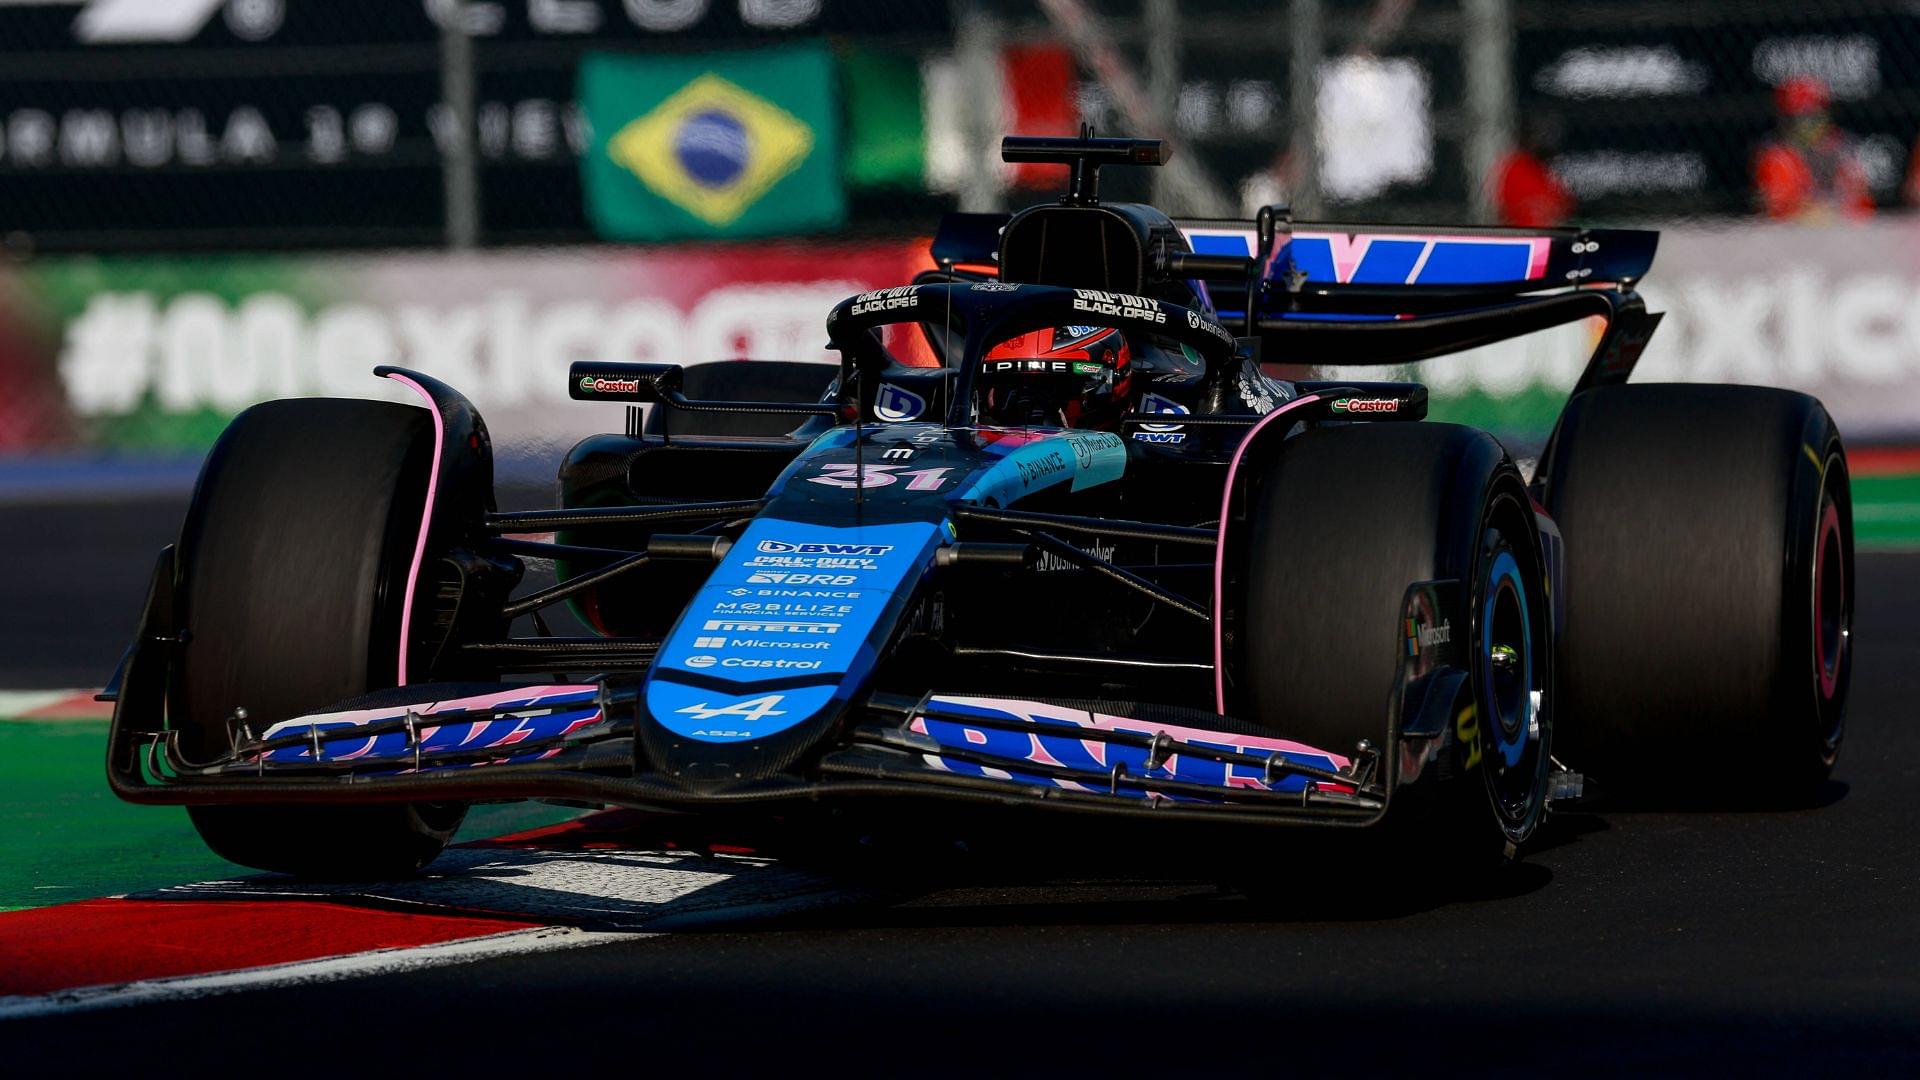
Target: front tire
1343	523
292	566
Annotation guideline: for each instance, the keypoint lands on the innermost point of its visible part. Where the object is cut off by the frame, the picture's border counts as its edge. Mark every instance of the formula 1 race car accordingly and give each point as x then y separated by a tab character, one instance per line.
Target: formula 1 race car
1055	534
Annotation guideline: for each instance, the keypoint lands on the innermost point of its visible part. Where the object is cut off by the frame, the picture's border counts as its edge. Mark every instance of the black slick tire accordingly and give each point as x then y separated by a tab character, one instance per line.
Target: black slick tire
292	565
1342	523
1709	554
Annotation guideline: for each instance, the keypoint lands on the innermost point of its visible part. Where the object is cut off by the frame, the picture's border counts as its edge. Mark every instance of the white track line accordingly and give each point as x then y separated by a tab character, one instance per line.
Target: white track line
325	970
16	703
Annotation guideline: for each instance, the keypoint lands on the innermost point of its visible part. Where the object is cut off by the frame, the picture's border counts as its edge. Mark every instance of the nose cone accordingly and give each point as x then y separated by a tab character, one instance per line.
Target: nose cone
776	643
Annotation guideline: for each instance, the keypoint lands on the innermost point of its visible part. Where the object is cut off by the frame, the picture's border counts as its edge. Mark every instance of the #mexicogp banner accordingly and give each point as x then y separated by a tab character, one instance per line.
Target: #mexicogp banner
712	145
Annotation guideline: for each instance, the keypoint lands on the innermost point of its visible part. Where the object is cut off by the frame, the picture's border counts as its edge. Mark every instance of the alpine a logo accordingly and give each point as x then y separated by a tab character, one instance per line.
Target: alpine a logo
1366	405
781	547
752	710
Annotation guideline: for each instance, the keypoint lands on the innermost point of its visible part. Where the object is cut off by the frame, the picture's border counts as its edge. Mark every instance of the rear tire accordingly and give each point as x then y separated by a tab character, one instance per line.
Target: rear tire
1709	540
1346	519
293	559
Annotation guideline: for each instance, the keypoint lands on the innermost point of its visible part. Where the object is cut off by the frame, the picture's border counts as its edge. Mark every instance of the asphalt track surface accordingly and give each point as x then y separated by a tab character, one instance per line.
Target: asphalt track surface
1633	940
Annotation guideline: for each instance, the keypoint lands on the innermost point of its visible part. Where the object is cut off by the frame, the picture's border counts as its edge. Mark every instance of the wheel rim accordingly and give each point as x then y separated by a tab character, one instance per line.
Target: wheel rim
1506	652
1831	630
1512	696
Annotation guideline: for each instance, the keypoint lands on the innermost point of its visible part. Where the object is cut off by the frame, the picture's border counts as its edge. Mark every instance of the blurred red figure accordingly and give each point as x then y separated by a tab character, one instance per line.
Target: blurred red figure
1809	170
1525	191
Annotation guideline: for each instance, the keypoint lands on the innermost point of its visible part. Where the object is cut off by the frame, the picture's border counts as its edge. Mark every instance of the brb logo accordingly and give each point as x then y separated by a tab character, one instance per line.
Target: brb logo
905	296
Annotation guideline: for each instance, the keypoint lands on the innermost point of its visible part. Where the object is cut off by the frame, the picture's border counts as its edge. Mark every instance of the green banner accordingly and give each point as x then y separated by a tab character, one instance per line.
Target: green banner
886	136
714	145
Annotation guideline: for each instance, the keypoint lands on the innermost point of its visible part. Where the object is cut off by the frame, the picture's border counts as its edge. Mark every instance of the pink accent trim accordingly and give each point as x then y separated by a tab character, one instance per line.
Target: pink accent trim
1220	550
426	516
1348	253
1350	249
1537	258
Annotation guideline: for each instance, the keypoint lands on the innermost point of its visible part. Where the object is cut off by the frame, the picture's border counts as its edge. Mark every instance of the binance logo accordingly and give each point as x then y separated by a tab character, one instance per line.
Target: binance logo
712	149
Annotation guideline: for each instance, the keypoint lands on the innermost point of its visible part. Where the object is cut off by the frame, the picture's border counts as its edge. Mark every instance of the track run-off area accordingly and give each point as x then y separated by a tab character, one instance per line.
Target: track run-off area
1634	939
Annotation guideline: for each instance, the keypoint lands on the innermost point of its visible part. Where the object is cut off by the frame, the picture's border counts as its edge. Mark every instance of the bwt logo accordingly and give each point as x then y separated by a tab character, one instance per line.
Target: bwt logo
781	547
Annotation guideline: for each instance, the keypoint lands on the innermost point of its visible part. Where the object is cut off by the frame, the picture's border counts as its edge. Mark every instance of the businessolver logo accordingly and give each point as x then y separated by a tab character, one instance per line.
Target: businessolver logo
713	149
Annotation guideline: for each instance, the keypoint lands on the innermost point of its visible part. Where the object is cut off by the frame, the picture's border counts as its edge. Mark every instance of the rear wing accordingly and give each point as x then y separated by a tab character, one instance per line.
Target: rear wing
1412	269
1393	294
1357	294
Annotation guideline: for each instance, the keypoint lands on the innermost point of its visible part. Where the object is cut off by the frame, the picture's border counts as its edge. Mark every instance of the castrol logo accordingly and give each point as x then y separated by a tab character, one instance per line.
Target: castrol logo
594	384
1366	405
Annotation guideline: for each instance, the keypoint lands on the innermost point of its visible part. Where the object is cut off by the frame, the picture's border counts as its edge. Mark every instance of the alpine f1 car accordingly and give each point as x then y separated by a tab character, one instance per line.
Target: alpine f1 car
1055	535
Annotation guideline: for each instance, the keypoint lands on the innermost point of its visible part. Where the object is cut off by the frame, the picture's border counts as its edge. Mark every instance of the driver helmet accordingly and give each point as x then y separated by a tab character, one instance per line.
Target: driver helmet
1066	376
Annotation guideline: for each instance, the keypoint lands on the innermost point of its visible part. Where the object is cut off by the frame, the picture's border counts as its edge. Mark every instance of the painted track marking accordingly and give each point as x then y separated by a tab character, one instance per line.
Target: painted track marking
52	705
264	931
323	970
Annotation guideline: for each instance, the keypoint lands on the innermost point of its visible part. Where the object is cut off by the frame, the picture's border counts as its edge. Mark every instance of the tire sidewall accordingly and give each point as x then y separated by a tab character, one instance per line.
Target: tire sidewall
1808	714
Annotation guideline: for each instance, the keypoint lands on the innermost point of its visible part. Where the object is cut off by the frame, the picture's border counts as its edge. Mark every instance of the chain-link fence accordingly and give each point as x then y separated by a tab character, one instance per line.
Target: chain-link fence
275	124
279	124
1414	111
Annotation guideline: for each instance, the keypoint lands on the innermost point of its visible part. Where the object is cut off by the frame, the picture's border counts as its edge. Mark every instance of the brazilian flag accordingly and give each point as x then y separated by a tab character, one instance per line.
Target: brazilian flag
712	145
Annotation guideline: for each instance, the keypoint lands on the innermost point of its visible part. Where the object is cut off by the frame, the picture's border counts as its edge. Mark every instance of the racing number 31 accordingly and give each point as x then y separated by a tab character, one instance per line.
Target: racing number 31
847	474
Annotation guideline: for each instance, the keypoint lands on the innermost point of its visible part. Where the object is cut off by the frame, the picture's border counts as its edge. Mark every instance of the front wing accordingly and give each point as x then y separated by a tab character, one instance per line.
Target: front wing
577	742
